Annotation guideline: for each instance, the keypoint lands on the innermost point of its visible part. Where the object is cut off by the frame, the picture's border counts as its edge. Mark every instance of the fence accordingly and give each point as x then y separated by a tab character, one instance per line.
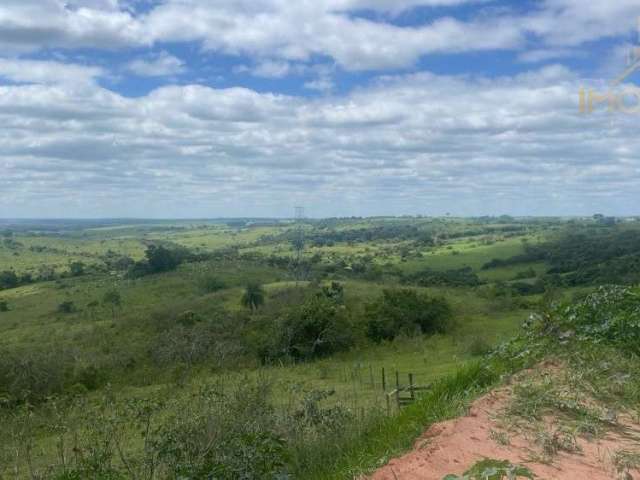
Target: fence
402	395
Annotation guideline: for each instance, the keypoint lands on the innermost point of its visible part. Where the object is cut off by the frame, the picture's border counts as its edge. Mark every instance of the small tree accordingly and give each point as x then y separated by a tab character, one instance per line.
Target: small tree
161	259
8	279
253	296
92	306
67	307
113	300
76	269
405	311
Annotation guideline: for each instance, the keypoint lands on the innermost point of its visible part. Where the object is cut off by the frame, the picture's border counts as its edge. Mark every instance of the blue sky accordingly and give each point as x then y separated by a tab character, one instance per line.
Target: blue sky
207	108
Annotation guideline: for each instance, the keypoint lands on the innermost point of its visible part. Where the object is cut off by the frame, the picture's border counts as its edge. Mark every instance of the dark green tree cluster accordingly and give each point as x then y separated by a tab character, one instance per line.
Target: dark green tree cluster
405	311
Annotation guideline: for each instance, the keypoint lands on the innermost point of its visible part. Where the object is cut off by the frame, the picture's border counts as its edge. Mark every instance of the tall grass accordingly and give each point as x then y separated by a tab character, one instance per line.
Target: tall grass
361	451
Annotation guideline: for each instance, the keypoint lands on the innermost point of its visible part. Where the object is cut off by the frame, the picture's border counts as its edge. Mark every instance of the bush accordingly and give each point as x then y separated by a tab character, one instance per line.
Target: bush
611	314
8	279
159	259
524	288
67	307
33	376
4	306
188	339
253	296
405	311
317	328
212	284
462	277
477	347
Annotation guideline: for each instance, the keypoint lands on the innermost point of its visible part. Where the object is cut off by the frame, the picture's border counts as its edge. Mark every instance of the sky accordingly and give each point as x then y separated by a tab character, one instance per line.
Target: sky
221	108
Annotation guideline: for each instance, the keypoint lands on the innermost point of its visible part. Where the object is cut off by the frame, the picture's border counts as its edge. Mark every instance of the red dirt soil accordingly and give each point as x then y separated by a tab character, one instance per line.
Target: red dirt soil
453	446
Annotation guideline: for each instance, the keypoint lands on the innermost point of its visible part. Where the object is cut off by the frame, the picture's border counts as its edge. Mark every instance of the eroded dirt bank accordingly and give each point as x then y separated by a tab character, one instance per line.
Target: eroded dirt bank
553	448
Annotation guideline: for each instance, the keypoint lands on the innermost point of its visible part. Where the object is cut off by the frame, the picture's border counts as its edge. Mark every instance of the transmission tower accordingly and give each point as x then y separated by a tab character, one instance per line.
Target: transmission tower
298	242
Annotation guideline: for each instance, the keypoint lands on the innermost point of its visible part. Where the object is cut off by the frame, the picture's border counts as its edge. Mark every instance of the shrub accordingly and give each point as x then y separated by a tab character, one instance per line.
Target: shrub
253	296
405	311
224	436
113	300
33	376
524	288
4	306
188	339
489	469
76	269
159	259
188	318
211	284
8	279
316	328
529	273
67	307
477	347
462	277
611	314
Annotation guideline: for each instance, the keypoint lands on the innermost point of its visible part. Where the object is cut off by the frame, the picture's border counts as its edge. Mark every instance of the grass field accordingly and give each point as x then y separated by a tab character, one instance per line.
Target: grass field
116	350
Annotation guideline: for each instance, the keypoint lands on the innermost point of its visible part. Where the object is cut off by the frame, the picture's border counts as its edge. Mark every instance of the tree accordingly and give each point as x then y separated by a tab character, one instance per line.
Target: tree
8	279
320	327
253	296
161	259
76	269
405	311
113	300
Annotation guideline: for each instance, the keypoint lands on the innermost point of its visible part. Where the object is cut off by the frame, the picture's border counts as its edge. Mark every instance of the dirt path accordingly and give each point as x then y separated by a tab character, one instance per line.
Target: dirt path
451	447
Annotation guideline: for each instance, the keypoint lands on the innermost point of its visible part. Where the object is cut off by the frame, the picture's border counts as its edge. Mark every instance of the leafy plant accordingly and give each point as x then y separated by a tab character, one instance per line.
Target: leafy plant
490	469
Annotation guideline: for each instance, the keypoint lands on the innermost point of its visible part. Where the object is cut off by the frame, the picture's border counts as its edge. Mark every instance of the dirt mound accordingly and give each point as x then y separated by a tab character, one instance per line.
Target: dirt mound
453	446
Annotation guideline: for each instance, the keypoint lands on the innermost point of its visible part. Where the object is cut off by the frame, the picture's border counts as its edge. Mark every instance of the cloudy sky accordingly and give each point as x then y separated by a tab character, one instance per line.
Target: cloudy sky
208	108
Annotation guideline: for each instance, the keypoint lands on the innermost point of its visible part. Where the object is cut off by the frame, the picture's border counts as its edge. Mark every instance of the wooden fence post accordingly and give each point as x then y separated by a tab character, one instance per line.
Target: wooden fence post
384	381
411	386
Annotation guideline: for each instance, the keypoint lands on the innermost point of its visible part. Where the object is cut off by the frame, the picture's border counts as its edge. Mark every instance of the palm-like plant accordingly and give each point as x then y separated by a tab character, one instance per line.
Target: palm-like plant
253	296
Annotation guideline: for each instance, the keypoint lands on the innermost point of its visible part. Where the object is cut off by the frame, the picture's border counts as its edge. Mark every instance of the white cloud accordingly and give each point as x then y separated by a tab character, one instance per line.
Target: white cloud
280	31
47	72
273	69
323	84
416	143
27	25
159	65
544	55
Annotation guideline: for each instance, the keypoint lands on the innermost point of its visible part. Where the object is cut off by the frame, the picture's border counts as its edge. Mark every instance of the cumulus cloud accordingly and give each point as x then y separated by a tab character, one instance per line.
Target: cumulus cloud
417	143
158	65
279	30
29	25
411	143
47	72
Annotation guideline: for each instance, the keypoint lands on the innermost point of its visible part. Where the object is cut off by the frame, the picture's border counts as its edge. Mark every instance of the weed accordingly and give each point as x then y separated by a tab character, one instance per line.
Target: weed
625	460
501	438
556	441
490	469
